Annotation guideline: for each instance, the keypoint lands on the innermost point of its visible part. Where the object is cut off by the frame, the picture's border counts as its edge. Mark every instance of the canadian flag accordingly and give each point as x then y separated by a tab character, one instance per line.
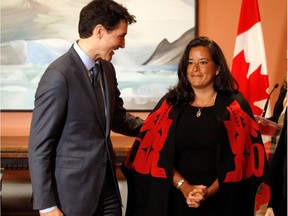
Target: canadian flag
250	70
249	61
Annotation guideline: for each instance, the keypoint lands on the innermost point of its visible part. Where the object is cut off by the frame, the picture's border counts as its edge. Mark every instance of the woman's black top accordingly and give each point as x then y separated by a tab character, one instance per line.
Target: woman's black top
197	139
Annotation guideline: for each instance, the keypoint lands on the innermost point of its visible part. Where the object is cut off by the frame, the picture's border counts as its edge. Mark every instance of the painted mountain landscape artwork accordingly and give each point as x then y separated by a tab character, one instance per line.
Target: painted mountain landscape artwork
35	32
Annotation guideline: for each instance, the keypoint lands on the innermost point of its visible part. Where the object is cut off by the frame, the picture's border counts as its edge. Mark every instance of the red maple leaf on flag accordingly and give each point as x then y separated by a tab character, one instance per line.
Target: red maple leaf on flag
254	87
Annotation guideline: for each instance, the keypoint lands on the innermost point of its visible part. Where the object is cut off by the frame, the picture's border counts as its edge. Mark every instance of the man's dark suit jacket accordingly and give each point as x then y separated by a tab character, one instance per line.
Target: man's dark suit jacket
69	144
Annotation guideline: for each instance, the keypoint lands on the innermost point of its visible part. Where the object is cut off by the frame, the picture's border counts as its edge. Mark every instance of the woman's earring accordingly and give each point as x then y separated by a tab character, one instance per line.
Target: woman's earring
217	72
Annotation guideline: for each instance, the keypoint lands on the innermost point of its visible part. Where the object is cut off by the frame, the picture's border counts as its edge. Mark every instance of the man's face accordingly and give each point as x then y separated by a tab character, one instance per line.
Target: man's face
113	40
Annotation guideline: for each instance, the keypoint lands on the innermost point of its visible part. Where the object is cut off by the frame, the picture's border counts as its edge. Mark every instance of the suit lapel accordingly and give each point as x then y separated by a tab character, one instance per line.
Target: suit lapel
82	74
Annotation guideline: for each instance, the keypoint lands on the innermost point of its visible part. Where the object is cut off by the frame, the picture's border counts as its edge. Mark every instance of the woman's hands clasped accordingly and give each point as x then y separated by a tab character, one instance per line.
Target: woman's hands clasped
195	194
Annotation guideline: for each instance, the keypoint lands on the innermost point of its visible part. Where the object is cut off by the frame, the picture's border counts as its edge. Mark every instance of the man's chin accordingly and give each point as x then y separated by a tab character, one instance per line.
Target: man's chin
108	57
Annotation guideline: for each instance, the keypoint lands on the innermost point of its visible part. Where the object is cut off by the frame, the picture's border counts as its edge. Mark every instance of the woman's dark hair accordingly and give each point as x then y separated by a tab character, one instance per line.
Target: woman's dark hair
105	12
224	82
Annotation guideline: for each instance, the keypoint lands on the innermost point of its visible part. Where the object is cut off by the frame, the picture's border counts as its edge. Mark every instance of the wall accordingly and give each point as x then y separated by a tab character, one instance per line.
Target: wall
219	21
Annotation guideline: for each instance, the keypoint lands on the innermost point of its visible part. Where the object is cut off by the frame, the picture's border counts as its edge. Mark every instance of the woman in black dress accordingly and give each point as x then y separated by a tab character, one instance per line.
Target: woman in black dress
199	152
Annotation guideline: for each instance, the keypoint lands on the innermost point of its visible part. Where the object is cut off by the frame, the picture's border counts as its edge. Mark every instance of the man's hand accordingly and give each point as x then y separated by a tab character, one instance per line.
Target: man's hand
269	212
55	212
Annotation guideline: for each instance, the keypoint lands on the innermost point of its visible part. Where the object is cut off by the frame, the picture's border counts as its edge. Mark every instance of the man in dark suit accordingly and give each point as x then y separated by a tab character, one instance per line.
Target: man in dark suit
71	158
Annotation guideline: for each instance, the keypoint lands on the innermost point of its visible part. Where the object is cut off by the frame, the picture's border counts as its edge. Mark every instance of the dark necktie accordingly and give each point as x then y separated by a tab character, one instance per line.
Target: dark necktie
97	84
94	74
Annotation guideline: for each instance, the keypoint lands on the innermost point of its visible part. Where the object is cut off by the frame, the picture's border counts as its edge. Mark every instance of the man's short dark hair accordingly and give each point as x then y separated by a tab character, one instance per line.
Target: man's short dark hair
105	12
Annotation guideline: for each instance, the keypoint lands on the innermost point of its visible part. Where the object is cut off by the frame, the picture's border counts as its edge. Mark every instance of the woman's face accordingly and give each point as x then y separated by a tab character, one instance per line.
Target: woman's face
201	70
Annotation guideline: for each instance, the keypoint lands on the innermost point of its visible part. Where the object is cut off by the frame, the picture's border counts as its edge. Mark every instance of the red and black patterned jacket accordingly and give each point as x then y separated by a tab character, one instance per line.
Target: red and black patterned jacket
242	164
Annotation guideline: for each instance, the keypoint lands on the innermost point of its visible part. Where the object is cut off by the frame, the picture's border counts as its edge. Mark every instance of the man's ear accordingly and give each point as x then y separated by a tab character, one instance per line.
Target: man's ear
98	31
